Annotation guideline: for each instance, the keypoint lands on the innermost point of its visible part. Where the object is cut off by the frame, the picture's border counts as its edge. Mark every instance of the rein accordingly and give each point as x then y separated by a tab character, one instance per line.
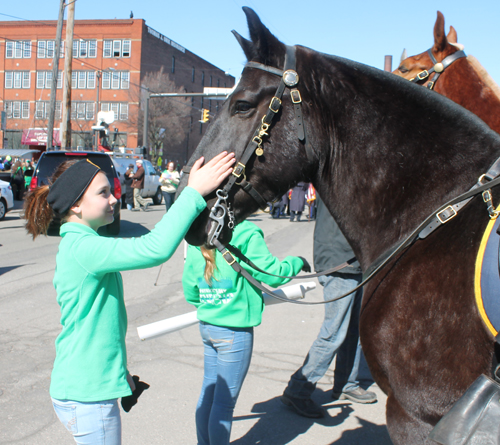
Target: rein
438	67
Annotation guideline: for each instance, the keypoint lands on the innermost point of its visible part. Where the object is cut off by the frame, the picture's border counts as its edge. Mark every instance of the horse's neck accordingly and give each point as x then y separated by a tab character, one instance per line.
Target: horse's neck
470	86
385	172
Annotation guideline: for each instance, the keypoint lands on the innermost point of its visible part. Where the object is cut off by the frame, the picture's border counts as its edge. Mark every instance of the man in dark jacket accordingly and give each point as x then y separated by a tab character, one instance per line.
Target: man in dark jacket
339	334
138	184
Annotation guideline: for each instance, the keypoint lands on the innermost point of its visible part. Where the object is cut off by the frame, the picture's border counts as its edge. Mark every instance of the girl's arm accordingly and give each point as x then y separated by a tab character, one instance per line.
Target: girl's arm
256	250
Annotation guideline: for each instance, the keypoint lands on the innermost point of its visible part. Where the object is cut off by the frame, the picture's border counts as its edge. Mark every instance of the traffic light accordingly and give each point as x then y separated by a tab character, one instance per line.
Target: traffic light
205	117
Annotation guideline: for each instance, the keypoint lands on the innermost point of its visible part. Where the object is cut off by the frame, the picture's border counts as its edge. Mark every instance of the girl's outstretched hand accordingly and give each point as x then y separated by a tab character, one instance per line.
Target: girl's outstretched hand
206	178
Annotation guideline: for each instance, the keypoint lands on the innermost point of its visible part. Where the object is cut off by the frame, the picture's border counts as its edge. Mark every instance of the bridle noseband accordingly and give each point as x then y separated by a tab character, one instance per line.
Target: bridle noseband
438	67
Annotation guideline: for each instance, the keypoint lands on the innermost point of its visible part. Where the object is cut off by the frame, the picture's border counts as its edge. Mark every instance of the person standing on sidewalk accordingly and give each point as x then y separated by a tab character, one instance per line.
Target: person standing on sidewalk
169	181
339	334
138	184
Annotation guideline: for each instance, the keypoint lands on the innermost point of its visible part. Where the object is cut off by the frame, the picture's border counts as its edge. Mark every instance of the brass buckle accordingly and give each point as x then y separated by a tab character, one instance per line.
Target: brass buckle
239	170
231	257
430	85
445	220
295	95
275	100
423	75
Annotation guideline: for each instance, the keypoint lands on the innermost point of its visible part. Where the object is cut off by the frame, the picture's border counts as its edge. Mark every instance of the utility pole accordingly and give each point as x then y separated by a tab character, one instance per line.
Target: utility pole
145	136
68	60
55	70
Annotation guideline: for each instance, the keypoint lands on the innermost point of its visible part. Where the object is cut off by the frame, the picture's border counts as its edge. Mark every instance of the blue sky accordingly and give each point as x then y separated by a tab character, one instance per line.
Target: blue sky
361	30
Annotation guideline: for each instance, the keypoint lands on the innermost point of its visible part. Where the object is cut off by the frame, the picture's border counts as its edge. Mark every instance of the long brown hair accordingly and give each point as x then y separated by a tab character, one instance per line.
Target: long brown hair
210	266
37	211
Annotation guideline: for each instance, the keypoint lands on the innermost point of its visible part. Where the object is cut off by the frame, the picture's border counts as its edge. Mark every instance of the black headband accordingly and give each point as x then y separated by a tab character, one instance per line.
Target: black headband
71	185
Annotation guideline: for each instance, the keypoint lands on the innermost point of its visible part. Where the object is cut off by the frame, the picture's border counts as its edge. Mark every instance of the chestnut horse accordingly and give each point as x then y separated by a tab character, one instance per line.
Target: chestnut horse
464	81
384	154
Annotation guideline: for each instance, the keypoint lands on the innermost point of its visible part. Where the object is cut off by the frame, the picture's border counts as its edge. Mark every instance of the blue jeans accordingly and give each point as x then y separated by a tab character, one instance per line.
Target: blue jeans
339	335
169	199
228	352
91	423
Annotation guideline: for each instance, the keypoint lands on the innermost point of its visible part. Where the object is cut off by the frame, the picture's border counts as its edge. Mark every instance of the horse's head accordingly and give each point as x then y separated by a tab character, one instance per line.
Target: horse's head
444	46
263	132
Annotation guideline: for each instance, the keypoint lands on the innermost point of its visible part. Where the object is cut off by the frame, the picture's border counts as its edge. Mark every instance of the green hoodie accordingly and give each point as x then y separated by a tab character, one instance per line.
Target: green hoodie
231	301
91	359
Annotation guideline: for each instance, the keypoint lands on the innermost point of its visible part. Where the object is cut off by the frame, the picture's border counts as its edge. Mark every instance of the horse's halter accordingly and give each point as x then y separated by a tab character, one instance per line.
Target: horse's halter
438	67
289	79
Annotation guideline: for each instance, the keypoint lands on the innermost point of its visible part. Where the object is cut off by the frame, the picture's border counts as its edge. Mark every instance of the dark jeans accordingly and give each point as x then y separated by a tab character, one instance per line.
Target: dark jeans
169	199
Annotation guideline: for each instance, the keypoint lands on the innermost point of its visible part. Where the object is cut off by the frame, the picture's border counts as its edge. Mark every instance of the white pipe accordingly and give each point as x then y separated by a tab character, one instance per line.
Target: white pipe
172	324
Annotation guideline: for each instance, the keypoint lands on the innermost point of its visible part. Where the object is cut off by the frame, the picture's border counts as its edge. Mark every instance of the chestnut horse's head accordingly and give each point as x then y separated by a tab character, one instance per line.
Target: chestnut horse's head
278	146
443	47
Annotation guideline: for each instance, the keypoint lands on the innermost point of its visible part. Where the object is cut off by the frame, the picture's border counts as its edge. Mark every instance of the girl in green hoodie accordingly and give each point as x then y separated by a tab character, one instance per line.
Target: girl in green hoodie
228	307
90	370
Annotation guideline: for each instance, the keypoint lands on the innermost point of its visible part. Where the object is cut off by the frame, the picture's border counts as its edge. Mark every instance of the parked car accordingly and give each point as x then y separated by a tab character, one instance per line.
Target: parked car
6	198
152	186
50	160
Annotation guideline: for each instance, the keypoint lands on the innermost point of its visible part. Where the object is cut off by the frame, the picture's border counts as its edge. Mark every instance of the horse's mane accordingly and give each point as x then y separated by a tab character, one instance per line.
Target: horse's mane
484	75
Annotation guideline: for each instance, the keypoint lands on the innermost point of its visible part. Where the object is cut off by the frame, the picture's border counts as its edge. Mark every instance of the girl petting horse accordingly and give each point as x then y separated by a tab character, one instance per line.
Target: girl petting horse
90	370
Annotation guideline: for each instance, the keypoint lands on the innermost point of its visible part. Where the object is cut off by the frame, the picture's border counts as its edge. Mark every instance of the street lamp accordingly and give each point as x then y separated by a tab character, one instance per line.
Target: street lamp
98	75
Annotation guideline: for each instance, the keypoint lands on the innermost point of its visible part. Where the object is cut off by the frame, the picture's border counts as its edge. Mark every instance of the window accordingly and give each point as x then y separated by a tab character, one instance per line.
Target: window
126	45
173	64
106	80
50	49
83	80
116	80
17	109
192	75
17	79
41	54
84	48
106	48
42	109
119	109
116	48
125	80
18	49
9	79
92	49
9	50
202	78
82	110
44	79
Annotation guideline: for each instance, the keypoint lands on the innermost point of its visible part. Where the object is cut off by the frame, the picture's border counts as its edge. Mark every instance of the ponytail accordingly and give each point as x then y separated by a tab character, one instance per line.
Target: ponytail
210	267
37	211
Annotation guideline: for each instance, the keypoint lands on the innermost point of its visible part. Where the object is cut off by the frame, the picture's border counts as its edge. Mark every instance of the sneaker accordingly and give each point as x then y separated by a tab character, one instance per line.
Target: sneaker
134	210
358	395
145	208
303	407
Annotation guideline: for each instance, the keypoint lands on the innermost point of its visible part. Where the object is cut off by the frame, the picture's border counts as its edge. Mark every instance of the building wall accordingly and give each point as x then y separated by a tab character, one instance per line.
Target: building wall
149	52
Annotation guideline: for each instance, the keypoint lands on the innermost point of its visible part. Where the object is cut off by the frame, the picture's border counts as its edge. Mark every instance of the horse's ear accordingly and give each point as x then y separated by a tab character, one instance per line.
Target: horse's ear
267	48
246	45
452	35
439	35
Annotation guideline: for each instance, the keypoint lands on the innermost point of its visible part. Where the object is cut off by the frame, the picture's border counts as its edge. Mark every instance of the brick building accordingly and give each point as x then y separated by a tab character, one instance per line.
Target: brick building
113	61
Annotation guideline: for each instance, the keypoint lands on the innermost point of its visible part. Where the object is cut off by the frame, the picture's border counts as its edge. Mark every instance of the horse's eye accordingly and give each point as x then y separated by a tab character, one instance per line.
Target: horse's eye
242	107
403	69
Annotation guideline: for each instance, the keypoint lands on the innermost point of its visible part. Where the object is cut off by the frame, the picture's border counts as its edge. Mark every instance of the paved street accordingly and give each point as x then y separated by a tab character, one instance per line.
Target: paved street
172	364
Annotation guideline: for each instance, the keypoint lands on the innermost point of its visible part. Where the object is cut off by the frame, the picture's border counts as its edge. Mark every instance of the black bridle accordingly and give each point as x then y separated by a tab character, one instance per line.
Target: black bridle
438	67
289	79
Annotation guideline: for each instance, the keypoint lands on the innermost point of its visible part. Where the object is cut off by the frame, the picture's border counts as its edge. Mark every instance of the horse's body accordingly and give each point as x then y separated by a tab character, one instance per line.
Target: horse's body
387	153
465	81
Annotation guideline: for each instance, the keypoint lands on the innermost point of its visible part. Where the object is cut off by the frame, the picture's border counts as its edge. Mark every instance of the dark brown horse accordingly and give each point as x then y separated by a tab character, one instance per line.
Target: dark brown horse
383	154
464	81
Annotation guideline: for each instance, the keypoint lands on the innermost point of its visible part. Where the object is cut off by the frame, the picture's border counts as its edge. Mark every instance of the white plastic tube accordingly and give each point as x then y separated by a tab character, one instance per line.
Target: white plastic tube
172	324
